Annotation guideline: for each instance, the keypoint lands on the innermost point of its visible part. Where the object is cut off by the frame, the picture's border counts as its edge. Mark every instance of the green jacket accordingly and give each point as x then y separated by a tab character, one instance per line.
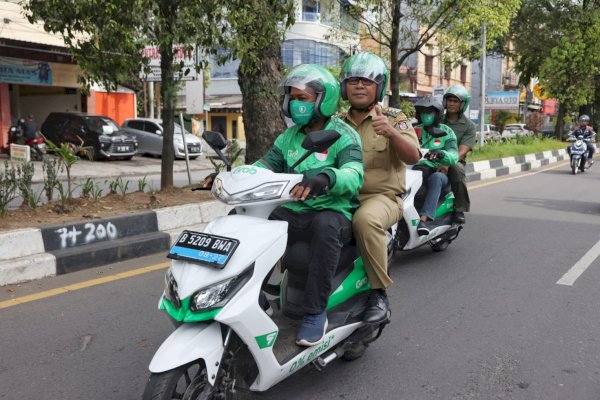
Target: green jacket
342	163
447	144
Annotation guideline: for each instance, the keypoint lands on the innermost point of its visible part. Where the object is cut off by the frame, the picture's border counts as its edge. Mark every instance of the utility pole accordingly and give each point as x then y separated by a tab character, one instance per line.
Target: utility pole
482	86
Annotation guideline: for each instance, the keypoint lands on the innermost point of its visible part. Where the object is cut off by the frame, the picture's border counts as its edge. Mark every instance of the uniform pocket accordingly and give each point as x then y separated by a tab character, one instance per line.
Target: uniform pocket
376	155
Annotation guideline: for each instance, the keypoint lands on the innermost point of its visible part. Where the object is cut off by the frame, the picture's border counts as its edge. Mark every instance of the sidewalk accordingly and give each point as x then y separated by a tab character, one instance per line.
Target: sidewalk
34	253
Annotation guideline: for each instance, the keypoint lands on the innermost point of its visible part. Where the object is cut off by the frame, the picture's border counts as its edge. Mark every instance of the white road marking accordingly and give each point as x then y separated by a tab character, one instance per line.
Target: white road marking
580	266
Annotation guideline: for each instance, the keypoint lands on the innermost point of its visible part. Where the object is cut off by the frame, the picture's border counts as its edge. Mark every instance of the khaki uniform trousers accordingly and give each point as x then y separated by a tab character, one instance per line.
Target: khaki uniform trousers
375	215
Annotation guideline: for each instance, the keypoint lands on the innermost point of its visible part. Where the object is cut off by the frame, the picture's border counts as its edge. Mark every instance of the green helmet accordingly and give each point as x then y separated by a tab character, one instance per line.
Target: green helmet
461	93
365	65
318	79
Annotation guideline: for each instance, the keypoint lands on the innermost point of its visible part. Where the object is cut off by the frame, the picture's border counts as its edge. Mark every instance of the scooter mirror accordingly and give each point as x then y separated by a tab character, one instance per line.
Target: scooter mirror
319	141
215	139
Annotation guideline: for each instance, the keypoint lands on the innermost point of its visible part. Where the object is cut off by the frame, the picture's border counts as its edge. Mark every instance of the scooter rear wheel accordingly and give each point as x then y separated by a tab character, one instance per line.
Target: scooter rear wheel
441	246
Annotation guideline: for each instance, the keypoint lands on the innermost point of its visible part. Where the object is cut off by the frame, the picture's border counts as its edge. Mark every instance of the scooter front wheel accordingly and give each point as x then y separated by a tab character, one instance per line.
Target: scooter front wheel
186	382
574	166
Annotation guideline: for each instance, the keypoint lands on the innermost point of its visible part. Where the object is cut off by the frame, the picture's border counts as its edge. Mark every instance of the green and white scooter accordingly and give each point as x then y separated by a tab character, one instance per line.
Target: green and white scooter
232	337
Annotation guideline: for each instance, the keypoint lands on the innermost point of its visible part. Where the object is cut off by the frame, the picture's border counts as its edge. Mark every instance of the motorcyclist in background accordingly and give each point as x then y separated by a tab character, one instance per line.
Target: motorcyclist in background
584	129
440	140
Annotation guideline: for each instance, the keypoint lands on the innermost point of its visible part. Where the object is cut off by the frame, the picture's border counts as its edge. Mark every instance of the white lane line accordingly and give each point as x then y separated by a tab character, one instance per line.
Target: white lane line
580	266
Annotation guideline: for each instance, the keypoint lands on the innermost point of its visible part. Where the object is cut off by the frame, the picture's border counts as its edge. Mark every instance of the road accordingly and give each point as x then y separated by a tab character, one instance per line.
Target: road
484	320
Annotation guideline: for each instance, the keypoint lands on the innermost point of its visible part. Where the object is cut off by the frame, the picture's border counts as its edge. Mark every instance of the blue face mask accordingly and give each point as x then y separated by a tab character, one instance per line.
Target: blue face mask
302	111
427	119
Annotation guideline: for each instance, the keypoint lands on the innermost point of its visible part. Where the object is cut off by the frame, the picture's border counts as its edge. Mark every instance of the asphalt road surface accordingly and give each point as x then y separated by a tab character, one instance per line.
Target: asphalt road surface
510	311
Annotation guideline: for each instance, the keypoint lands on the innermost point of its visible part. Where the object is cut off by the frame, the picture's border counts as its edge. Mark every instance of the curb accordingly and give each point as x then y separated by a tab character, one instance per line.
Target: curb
35	253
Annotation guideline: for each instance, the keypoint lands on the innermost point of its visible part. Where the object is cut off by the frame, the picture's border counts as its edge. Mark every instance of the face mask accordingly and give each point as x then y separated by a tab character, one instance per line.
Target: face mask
428	119
301	111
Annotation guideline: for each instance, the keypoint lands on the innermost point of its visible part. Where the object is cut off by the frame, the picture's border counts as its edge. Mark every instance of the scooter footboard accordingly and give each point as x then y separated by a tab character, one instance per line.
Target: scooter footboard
188	343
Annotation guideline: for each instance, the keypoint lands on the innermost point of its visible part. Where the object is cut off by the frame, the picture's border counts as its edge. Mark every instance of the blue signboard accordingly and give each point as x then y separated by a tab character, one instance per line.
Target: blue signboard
36	74
502	100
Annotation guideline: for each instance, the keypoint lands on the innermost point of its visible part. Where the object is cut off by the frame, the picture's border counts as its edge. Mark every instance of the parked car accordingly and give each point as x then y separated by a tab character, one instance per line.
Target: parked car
102	137
512	130
149	134
490	132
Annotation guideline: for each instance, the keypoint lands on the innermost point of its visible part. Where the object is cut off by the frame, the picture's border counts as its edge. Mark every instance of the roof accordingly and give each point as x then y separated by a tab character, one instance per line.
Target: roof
225	103
15	26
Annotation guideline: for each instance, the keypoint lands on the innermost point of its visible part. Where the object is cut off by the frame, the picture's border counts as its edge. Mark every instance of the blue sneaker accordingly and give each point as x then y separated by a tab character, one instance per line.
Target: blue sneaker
312	329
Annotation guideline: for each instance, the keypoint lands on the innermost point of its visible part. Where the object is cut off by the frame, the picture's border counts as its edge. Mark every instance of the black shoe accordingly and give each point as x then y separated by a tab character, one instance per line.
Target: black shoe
423	228
459	217
377	307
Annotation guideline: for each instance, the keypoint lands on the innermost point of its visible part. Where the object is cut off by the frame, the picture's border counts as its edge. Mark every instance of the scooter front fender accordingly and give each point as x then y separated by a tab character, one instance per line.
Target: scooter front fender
188	343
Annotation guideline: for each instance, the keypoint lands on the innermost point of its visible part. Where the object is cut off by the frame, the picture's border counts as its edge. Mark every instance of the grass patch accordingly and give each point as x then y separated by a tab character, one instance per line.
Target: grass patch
515	147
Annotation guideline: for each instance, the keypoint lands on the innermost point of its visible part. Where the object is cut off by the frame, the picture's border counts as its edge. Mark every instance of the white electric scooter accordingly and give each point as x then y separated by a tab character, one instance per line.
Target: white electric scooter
404	233
232	340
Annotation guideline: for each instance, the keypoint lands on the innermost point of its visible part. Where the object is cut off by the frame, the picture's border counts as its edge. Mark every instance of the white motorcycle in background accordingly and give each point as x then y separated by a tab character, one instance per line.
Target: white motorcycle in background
231	339
404	233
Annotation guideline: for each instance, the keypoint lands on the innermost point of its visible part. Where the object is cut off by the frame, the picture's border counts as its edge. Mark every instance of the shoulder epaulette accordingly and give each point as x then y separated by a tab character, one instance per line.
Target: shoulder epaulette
395	113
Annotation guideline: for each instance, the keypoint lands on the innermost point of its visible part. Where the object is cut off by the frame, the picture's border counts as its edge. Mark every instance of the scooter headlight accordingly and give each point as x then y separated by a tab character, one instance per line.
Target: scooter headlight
219	294
267	191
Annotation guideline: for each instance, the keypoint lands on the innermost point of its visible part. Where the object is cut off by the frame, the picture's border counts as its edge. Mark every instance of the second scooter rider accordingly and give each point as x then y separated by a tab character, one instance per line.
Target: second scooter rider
389	143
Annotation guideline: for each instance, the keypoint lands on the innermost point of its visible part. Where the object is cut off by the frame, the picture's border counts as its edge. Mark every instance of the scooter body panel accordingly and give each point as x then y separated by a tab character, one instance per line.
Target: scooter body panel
191	342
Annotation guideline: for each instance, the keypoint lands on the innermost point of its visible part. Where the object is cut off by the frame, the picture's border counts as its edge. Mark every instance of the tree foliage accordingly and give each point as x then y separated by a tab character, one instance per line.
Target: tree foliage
403	28
559	42
107	39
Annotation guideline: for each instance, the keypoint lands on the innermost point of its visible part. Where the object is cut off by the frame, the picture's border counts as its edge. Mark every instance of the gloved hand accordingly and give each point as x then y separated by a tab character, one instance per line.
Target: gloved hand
208	181
314	187
434	155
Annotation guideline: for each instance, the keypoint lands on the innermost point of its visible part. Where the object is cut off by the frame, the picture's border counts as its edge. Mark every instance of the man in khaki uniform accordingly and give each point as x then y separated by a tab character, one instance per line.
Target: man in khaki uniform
389	143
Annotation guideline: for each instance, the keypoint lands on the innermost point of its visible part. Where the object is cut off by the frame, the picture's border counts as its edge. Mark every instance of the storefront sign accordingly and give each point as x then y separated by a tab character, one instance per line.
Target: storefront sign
502	100
19	153
550	106
180	55
37	73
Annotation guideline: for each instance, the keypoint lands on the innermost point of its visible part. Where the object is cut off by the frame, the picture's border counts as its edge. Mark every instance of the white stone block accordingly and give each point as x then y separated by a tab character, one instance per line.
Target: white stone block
479	166
173	217
20	243
27	268
213	209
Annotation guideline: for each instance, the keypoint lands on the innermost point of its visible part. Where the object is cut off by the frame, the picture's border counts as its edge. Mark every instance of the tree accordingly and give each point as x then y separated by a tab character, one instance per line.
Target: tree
107	41
253	34
559	42
403	28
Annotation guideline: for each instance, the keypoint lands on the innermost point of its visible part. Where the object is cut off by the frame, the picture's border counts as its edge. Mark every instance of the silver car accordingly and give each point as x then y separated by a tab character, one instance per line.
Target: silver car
149	134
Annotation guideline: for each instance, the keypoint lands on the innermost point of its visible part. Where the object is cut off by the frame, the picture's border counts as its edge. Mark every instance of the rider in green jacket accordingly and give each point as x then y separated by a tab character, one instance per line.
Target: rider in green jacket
440	140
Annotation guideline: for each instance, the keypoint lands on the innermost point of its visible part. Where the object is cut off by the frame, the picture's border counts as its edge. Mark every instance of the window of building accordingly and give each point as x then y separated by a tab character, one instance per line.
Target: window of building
447	71
234	134
310	10
429	65
302	51
463	73
228	69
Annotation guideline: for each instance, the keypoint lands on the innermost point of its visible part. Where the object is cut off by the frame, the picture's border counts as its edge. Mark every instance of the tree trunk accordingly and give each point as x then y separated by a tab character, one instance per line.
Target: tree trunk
263	120
167	92
394	56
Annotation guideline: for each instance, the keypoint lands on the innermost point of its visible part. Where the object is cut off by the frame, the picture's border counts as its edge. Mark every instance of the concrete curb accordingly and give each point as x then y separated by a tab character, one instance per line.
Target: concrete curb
28	254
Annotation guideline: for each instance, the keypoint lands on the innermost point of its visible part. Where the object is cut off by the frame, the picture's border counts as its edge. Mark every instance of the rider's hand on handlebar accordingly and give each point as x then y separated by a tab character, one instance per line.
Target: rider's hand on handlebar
310	187
208	181
434	155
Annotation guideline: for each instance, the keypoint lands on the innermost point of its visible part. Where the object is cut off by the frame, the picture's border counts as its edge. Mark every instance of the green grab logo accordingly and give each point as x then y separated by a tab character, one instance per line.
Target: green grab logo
414	222
266	340
245	170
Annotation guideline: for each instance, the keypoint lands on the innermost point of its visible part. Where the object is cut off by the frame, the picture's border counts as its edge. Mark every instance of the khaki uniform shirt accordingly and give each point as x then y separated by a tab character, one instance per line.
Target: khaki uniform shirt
384	172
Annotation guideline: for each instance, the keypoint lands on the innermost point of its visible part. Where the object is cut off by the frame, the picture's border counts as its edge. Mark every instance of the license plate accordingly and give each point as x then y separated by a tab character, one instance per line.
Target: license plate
123	149
203	248
194	149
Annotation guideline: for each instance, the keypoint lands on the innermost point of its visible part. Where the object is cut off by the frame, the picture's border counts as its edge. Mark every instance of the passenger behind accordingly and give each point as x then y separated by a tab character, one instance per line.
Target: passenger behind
389	141
441	142
327	196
